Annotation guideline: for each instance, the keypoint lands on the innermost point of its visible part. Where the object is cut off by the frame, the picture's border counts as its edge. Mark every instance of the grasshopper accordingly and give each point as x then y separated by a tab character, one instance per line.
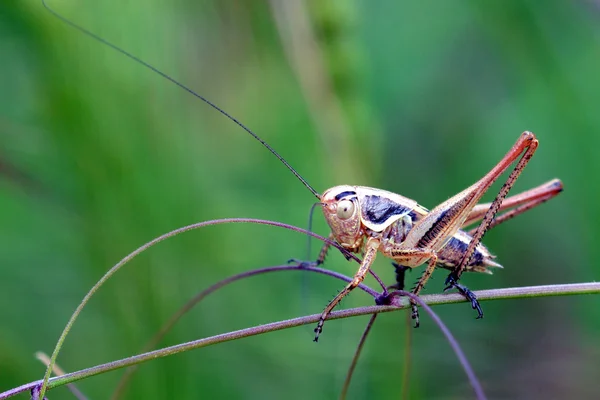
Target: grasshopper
367	220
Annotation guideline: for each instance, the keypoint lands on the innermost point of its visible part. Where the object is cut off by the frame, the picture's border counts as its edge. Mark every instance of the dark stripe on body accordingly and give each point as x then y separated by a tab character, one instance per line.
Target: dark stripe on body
378	210
344	194
444	219
433	232
414	217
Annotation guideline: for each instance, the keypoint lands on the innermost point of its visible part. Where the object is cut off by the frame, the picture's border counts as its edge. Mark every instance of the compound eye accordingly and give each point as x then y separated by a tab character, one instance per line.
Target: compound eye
345	209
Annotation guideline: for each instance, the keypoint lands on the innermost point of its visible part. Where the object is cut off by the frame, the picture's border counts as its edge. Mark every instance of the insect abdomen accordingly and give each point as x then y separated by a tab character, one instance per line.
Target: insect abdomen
451	255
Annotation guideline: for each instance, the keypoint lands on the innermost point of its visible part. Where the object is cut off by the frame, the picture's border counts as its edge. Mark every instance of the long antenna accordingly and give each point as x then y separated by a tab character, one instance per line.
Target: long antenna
182	86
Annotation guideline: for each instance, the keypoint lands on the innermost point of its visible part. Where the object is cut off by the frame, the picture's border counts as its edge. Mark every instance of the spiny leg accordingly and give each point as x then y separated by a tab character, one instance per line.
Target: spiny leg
513	213
371	248
420	285
521	202
530	143
324	250
496	204
320	259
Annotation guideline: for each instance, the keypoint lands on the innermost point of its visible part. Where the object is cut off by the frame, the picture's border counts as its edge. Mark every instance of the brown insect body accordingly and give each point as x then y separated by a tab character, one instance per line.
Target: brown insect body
372	221
372	212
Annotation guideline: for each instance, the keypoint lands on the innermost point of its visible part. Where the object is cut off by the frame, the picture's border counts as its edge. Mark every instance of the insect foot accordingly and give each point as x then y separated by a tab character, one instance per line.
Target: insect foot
451	283
415	314
302	263
318	331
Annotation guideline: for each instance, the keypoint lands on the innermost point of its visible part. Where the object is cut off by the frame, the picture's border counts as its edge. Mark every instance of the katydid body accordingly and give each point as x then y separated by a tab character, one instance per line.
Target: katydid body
385	215
371	221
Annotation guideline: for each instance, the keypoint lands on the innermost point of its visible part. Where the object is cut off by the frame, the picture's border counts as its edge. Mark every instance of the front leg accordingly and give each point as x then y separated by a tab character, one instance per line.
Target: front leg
322	255
371	248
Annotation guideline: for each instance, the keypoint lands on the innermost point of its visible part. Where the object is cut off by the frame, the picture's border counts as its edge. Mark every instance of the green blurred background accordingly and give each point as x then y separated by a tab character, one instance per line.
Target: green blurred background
99	155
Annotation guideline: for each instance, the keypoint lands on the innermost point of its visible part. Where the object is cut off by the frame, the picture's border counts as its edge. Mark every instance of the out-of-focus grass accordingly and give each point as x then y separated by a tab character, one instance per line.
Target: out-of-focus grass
99	155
